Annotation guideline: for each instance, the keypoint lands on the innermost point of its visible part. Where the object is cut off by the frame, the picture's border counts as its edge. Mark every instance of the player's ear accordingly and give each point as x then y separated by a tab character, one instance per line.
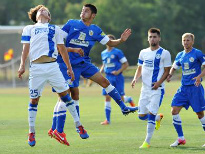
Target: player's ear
93	15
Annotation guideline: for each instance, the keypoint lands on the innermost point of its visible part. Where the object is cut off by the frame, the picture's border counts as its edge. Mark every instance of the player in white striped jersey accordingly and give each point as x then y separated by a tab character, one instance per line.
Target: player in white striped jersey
40	42
153	66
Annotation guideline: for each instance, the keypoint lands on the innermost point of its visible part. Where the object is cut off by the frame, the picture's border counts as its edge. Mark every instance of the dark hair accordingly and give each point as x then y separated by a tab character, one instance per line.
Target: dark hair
112	37
33	11
154	30
92	8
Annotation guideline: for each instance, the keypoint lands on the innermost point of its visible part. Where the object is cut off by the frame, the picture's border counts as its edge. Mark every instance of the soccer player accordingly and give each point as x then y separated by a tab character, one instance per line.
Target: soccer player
191	92
40	42
83	34
114	63
153	65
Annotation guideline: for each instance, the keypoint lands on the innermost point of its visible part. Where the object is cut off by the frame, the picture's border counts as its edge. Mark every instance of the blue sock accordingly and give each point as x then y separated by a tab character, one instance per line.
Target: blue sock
178	125
54	123
61	122
144	118
115	95
107	113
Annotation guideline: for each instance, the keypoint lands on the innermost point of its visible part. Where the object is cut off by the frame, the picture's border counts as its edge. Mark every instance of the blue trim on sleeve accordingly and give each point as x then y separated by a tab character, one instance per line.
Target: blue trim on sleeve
140	61
25	38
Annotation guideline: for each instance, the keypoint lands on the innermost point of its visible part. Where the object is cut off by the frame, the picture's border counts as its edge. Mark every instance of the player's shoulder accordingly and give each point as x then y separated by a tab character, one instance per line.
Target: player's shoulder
145	50
104	52
28	27
197	50
165	51
73	21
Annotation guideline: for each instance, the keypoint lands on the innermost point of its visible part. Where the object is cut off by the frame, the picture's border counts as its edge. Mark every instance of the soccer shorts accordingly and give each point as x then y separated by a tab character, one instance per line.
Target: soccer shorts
86	69
40	74
63	69
117	82
190	96
150	100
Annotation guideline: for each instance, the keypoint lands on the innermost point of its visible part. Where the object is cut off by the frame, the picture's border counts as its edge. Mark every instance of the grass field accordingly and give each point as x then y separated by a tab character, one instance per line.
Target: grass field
123	136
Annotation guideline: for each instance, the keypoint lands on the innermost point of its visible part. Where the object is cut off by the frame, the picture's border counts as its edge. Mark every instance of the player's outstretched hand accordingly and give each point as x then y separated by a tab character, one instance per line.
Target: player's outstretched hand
169	78
71	74
125	35
21	71
133	83
198	81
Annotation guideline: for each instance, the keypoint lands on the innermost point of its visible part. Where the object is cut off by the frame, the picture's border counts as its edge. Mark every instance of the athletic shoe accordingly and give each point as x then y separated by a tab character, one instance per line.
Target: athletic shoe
128	110
82	132
132	104
178	142
31	139
144	145
158	122
203	145
50	132
105	122
60	137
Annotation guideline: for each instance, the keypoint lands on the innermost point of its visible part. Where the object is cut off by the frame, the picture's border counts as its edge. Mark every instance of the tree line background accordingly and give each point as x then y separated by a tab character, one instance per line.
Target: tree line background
172	17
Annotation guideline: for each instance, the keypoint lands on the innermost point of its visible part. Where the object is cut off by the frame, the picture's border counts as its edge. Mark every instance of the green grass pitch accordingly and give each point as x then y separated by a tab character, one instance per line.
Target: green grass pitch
123	136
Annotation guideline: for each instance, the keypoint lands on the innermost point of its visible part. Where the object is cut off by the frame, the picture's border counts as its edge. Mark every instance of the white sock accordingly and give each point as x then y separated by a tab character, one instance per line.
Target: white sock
150	131
32	111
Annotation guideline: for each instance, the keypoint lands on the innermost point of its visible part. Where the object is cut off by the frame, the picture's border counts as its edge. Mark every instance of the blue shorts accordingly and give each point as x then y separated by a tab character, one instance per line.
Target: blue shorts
190	96
117	82
86	69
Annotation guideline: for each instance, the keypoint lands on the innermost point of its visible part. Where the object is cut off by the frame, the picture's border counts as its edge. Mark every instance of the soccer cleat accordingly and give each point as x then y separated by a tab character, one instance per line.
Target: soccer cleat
128	110
178	142
31	139
105	122
60	137
158	122
50	132
82	132
144	145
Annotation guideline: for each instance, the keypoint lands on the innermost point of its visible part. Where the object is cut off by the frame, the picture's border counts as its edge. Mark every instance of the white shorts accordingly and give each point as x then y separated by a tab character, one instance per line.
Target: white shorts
150	100
40	74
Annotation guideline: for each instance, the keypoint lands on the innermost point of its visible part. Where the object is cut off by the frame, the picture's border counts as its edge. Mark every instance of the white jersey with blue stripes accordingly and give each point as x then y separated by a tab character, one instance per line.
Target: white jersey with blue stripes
153	64
43	40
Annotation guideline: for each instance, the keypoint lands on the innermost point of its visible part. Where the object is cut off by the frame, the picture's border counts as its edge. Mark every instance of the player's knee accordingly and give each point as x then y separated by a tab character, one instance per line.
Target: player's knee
66	98
143	117
34	101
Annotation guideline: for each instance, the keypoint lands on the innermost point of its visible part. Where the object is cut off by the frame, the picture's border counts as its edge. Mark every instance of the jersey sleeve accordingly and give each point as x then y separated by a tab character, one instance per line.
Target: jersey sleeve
177	64
201	57
167	59
26	35
100	36
140	59
59	36
66	27
122	57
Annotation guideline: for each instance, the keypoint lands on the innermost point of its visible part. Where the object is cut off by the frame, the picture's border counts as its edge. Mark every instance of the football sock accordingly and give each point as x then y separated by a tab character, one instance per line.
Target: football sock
32	111
76	102
107	110
143	118
111	90
55	111
72	109
157	117
178	125
150	127
60	116
203	122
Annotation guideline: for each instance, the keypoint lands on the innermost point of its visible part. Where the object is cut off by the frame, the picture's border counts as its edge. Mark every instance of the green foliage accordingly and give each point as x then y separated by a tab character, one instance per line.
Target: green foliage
173	17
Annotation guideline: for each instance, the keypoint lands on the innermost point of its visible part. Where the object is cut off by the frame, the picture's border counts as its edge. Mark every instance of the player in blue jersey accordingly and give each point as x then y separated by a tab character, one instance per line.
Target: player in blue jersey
83	34
191	92
40	42
154	64
114	63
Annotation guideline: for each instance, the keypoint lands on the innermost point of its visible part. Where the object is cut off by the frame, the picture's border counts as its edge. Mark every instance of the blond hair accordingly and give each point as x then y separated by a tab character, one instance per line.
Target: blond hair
189	35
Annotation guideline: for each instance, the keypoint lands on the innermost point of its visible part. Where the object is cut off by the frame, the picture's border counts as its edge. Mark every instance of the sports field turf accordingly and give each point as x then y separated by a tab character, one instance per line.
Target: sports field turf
123	136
